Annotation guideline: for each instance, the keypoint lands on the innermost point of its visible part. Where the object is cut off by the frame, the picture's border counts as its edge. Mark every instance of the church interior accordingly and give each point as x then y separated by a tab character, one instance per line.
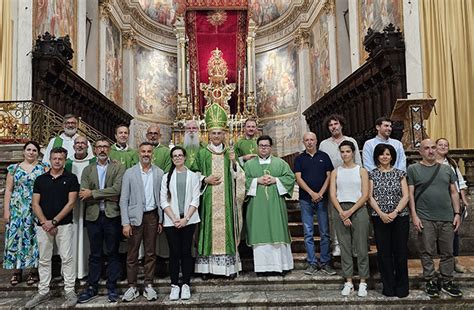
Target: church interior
286	64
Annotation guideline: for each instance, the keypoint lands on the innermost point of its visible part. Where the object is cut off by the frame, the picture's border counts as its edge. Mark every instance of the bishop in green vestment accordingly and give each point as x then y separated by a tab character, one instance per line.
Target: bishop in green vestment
269	180
219	230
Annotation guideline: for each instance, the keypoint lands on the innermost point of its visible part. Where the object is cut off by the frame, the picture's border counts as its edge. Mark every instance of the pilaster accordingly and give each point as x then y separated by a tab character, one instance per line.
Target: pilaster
302	41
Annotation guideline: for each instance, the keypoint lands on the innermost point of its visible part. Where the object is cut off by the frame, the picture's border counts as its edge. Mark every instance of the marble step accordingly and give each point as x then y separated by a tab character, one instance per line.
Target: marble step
327	299
245	282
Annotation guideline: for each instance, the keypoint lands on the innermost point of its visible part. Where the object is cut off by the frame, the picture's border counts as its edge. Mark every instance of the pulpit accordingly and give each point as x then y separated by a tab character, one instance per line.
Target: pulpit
413	112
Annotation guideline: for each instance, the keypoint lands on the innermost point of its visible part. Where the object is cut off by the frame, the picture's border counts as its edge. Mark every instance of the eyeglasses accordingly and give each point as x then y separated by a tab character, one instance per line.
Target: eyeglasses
264	146
80	142
102	146
154	133
178	156
70	123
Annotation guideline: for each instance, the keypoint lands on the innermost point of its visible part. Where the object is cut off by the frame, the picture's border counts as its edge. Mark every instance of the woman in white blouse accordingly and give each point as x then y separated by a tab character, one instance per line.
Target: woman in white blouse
180	191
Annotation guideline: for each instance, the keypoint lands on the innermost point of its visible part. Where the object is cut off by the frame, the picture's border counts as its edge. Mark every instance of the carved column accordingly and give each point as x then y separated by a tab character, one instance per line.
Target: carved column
330	10
354	34
302	42
104	13
128	43
180	32
251	103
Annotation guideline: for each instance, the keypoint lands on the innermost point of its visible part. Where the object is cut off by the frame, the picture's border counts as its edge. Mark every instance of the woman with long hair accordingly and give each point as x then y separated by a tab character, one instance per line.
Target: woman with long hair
389	197
349	191
21	245
442	157
180	192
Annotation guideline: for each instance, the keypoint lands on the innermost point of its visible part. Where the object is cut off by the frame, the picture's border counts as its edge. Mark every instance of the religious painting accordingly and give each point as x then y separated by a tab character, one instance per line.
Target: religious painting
321	77
155	84
113	63
161	11
265	11
377	14
276	82
57	17
286	134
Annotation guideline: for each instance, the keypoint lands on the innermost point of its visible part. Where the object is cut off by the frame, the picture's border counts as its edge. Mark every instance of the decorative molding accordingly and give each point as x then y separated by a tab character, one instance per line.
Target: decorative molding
105	8
303	38
128	39
329	7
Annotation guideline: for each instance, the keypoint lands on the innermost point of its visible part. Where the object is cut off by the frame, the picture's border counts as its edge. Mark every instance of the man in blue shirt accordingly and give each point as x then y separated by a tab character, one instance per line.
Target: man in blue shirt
384	129
312	171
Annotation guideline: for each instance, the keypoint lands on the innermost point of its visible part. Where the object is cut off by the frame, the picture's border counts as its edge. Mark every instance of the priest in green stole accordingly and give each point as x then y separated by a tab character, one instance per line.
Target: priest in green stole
269	181
191	141
246	147
121	151
220	224
161	154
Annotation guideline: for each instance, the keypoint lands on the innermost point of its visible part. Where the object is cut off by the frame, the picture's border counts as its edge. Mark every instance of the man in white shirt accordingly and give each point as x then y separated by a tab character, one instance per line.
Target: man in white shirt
384	129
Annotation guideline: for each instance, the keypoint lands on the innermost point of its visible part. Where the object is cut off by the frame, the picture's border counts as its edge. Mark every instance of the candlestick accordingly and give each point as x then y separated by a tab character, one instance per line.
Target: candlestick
245	78
188	81
238	84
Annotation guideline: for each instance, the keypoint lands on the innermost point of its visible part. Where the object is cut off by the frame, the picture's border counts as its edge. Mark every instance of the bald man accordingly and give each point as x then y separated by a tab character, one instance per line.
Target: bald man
435	213
161	153
312	171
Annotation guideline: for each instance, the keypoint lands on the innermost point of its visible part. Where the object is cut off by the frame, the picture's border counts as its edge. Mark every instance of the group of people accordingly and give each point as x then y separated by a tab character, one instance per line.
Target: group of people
430	192
208	196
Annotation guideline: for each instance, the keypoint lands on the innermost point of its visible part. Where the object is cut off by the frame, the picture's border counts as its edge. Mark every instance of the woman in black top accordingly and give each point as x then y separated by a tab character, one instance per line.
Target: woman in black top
388	199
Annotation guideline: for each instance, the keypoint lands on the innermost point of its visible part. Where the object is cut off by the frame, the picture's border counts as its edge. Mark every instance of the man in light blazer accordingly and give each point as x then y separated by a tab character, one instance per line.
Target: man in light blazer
100	190
141	219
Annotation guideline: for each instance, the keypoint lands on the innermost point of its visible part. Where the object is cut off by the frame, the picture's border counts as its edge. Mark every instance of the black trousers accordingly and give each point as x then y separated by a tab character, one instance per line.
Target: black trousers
180	242
392	254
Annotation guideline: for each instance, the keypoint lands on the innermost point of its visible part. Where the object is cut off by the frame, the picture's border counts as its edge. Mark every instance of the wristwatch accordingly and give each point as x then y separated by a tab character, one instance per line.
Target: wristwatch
457	213
187	219
54	222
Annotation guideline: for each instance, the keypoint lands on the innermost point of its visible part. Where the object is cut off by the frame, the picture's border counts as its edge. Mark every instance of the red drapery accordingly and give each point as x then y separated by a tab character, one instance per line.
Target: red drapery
208	30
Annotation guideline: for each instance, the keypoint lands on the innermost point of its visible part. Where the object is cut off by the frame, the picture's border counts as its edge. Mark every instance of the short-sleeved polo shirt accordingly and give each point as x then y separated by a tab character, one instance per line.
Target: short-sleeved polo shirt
54	193
313	171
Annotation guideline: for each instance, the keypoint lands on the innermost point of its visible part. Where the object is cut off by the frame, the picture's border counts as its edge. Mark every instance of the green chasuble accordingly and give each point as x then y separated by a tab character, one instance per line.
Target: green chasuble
161	157
267	216
191	153
245	146
216	231
128	158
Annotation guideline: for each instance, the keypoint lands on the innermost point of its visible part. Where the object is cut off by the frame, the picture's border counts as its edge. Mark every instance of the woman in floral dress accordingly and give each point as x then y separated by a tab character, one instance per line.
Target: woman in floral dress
21	245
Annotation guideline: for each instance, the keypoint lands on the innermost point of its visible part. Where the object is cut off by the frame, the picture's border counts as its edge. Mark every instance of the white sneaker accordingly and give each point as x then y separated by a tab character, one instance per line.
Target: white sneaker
362	290
347	289
185	292
174	295
130	294
336	251
149	293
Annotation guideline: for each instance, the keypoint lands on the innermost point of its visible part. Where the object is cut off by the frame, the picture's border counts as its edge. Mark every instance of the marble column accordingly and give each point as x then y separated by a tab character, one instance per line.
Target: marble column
354	34
180	32
330	10
251	102
104	13
414	69
128	72
302	41
22	14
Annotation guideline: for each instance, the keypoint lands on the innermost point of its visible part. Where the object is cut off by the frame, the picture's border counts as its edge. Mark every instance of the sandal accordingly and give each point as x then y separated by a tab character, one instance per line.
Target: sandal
32	278
15	279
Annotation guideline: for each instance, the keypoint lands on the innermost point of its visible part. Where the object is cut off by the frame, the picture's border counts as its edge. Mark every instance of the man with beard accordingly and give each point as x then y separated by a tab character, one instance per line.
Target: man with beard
191	141
246	147
335	123
219	230
66	139
161	154
121	151
100	190
140	211
76	165
384	129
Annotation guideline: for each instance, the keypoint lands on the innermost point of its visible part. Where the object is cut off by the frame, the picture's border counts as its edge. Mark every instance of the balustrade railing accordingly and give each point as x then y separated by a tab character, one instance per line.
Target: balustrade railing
21	121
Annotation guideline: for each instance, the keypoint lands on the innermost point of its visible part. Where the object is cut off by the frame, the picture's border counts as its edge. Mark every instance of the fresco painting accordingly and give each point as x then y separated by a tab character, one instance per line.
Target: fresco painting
276	82
155	84
321	77
161	11
113	63
265	11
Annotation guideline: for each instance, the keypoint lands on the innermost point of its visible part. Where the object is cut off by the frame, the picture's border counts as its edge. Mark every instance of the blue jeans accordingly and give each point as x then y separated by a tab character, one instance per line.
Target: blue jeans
308	209
108	230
